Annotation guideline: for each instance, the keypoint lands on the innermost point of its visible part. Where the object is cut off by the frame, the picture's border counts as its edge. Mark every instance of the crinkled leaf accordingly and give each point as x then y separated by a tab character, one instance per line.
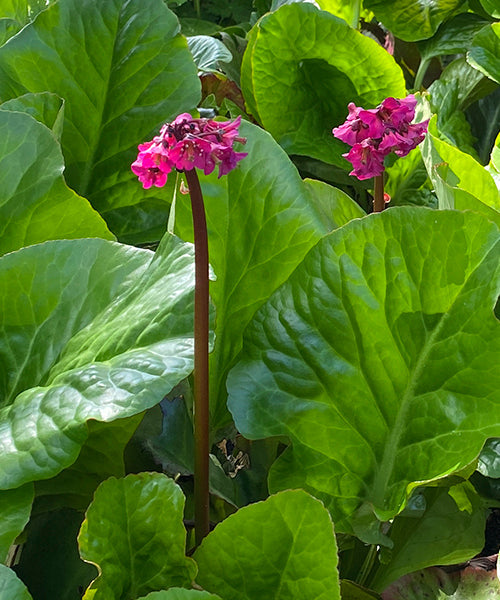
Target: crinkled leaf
208	52
315	73
413	20
44	107
15	509
48	561
180	594
445	534
379	359
133	530
91	330
12	588
121	67
36	205
484	54
261	223
453	37
286	548
458	168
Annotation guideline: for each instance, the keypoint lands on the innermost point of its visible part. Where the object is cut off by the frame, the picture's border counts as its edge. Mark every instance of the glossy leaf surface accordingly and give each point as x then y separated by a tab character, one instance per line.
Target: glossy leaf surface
371	361
286	549
12	588
315	72
122	68
91	330
485	52
133	530
180	594
36	204
15	508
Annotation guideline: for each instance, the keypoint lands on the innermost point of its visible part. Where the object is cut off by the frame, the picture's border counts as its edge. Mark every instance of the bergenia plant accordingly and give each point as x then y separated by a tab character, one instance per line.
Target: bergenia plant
375	133
187	144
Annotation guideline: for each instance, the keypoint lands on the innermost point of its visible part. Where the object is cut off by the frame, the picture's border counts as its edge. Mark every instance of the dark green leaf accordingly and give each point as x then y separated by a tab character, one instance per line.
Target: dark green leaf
491	7
44	107
447	533
15	508
485	52
379	359
285	549
413	20
133	530
36	205
489	459
121	67
91	330
315	73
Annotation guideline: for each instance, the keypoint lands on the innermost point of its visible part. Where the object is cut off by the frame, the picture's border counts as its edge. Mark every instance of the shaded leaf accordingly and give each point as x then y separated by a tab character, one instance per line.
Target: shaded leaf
134	73
378	358
133	530
413	20
491	7
315	72
91	330
15	509
489	459
208	52
44	107
36	204
445	534
286	549
484	54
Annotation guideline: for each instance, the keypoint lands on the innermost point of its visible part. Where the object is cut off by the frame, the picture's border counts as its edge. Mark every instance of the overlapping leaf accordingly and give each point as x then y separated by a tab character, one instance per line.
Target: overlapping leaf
15	508
484	54
286	549
36	205
315	64
262	220
90	330
122	68
379	358
413	20
12	588
133	530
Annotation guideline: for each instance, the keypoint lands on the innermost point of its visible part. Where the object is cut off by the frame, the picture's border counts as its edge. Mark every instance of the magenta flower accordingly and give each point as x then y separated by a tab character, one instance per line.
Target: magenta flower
375	133
187	143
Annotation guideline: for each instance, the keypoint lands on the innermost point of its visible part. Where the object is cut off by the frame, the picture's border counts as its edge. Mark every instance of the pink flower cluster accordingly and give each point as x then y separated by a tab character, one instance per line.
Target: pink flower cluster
185	144
375	133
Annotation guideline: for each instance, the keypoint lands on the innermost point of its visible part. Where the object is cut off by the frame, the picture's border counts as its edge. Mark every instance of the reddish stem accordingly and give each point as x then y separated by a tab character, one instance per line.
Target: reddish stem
378	193
201	329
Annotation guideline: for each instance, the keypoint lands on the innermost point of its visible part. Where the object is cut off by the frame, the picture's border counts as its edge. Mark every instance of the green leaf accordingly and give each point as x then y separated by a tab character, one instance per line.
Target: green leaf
122	68
379	359
334	206
261	223
489	459
315	73
453	37
180	594
445	534
459	170
491	7
413	20
286	549
36	204
484	55
48	562
44	107
15	508
91	330
12	588
133	530
208	52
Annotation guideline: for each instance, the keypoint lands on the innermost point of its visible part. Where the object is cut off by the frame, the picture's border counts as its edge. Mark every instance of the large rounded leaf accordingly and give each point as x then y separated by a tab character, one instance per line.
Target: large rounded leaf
133	530
90	330
36	204
262	220
285	549
302	67
413	20
379	358
122	68
15	508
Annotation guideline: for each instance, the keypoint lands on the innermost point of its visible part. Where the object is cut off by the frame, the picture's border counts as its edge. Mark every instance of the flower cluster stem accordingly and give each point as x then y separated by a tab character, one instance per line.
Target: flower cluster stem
378	193
201	381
